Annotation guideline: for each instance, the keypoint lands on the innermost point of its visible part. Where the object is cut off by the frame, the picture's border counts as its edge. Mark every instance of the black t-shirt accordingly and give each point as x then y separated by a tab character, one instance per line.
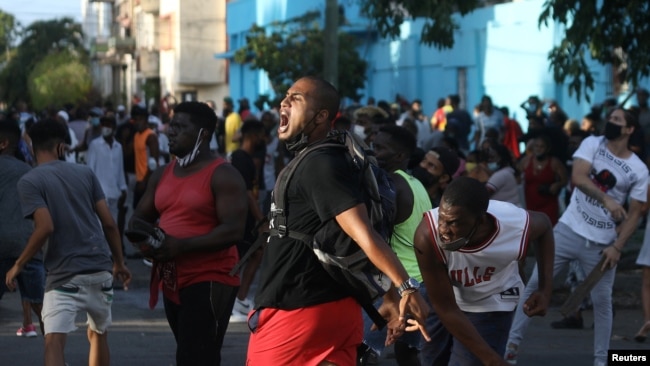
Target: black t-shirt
244	164
323	186
459	124
124	135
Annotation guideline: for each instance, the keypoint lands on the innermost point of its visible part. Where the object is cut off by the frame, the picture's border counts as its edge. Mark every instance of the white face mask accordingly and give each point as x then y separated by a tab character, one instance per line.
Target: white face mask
189	158
359	131
107	131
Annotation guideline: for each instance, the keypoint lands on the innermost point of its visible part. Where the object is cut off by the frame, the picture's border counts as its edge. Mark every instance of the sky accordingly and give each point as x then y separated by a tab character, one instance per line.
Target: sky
28	11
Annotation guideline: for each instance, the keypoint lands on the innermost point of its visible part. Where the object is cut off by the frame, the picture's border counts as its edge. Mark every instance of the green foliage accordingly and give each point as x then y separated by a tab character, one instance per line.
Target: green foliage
58	79
295	48
614	32
439	24
39	40
9	32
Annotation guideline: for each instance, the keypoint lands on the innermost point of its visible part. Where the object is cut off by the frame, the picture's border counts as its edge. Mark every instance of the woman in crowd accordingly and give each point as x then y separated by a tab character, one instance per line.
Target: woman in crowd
544	177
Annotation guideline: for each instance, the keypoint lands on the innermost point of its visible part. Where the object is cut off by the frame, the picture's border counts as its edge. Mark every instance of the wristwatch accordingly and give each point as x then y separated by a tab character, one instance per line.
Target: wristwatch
409	284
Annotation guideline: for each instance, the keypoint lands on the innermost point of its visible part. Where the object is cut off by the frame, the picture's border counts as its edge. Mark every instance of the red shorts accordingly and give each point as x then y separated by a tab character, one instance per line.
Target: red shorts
307	336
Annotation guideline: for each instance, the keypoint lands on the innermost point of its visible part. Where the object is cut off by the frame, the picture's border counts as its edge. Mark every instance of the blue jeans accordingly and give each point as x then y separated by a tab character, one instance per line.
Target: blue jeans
493	328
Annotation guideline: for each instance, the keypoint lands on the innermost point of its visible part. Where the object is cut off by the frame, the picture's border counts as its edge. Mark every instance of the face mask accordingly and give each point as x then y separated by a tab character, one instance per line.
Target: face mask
301	140
457	244
359	131
470	166
612	131
94	121
107	131
541	156
189	158
493	166
427	179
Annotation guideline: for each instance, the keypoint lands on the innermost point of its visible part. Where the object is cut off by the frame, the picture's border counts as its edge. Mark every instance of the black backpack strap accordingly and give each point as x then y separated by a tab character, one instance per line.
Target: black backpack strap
374	315
279	212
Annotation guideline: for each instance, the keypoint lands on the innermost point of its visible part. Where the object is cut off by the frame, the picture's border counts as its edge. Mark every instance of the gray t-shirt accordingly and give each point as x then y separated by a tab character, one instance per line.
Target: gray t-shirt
14	229
69	192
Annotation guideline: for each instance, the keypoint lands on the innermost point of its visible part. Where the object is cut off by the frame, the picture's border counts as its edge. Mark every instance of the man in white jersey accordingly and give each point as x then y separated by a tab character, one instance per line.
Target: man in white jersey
476	243
605	173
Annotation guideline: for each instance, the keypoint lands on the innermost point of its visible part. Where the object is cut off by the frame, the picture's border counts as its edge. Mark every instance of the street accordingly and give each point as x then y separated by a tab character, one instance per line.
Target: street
141	337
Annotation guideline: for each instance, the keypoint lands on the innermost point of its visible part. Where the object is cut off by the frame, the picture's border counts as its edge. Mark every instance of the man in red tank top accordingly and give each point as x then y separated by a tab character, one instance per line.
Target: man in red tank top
200	202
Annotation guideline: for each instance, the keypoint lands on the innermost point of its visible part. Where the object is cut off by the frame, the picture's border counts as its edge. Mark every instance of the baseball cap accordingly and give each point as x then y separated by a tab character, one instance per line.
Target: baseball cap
448	158
370	111
63	114
120	108
227	100
96	111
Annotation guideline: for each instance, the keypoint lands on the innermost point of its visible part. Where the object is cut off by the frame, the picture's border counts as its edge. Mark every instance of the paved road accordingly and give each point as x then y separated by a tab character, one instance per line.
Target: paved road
141	337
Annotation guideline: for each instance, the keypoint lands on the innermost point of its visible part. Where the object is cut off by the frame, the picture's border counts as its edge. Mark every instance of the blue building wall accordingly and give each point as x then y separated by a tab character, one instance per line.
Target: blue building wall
499	51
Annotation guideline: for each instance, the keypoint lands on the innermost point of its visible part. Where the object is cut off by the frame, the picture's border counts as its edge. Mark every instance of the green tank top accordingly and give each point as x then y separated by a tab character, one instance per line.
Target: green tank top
403	233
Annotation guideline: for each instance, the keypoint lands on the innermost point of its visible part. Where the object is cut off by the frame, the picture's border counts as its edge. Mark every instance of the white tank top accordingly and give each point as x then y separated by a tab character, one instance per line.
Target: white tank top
486	277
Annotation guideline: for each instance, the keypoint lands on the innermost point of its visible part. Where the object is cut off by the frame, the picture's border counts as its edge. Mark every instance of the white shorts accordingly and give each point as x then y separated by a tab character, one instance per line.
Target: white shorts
92	293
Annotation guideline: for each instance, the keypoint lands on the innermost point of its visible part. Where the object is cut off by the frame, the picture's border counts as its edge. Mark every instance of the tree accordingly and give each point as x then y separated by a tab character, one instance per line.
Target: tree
294	49
9	32
39	39
614	32
611	32
58	79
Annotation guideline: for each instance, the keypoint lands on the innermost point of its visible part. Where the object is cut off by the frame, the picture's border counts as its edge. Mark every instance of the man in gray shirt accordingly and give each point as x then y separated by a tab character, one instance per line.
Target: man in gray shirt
68	207
15	231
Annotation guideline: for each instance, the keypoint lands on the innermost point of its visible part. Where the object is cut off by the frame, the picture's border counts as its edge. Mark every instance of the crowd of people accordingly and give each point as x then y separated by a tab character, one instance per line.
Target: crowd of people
469	203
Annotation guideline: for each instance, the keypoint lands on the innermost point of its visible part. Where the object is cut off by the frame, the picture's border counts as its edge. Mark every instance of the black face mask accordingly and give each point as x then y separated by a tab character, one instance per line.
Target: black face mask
301	140
541	156
427	179
612	131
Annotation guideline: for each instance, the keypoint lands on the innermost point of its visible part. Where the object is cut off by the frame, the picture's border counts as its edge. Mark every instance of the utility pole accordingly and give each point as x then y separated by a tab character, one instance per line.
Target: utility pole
331	41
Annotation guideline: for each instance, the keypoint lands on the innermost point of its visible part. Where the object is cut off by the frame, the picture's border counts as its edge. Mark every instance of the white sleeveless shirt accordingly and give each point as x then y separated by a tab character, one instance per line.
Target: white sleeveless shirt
486	277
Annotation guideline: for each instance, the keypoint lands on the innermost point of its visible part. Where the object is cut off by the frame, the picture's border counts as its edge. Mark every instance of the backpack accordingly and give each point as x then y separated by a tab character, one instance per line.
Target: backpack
339	255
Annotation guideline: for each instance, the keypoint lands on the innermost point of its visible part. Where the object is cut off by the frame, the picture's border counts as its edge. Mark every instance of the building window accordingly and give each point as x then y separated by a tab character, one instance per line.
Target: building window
462	86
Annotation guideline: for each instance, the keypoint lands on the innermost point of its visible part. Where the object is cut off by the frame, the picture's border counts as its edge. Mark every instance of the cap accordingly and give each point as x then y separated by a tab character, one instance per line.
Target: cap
227	100
448	158
370	111
96	111
120	108
64	115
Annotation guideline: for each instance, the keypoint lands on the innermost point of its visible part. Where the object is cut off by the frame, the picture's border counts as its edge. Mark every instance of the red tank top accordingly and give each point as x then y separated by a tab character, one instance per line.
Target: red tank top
187	209
534	200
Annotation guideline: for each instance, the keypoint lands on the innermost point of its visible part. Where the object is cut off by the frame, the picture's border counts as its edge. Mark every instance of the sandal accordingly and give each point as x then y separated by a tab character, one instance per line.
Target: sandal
641	335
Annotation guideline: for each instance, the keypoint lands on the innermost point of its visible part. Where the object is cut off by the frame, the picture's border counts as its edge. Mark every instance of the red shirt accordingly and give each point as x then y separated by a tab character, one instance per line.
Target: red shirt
187	209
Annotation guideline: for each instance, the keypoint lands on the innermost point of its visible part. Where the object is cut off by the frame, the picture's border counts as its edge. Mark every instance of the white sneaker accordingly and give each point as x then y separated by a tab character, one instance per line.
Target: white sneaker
511	353
147	262
242	307
237	317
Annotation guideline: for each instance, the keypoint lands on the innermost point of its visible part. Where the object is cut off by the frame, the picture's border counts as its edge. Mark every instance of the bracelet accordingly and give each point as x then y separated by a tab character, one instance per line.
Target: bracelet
617	248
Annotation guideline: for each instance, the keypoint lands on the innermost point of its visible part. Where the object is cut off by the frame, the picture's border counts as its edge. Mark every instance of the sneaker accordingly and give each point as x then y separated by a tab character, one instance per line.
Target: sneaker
570	322
237	317
28	331
241	306
147	262
511	353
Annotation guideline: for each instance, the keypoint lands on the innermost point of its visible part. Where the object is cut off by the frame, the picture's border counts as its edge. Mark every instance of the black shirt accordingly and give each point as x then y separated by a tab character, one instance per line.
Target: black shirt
323	186
244	164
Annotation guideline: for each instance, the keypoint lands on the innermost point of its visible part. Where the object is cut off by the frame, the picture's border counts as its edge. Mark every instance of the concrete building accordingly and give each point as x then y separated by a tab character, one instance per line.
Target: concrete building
190	33
111	47
499	51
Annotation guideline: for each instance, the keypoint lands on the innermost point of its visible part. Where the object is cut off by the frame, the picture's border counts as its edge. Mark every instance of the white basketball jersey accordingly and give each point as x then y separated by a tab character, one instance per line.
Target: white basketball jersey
486	277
